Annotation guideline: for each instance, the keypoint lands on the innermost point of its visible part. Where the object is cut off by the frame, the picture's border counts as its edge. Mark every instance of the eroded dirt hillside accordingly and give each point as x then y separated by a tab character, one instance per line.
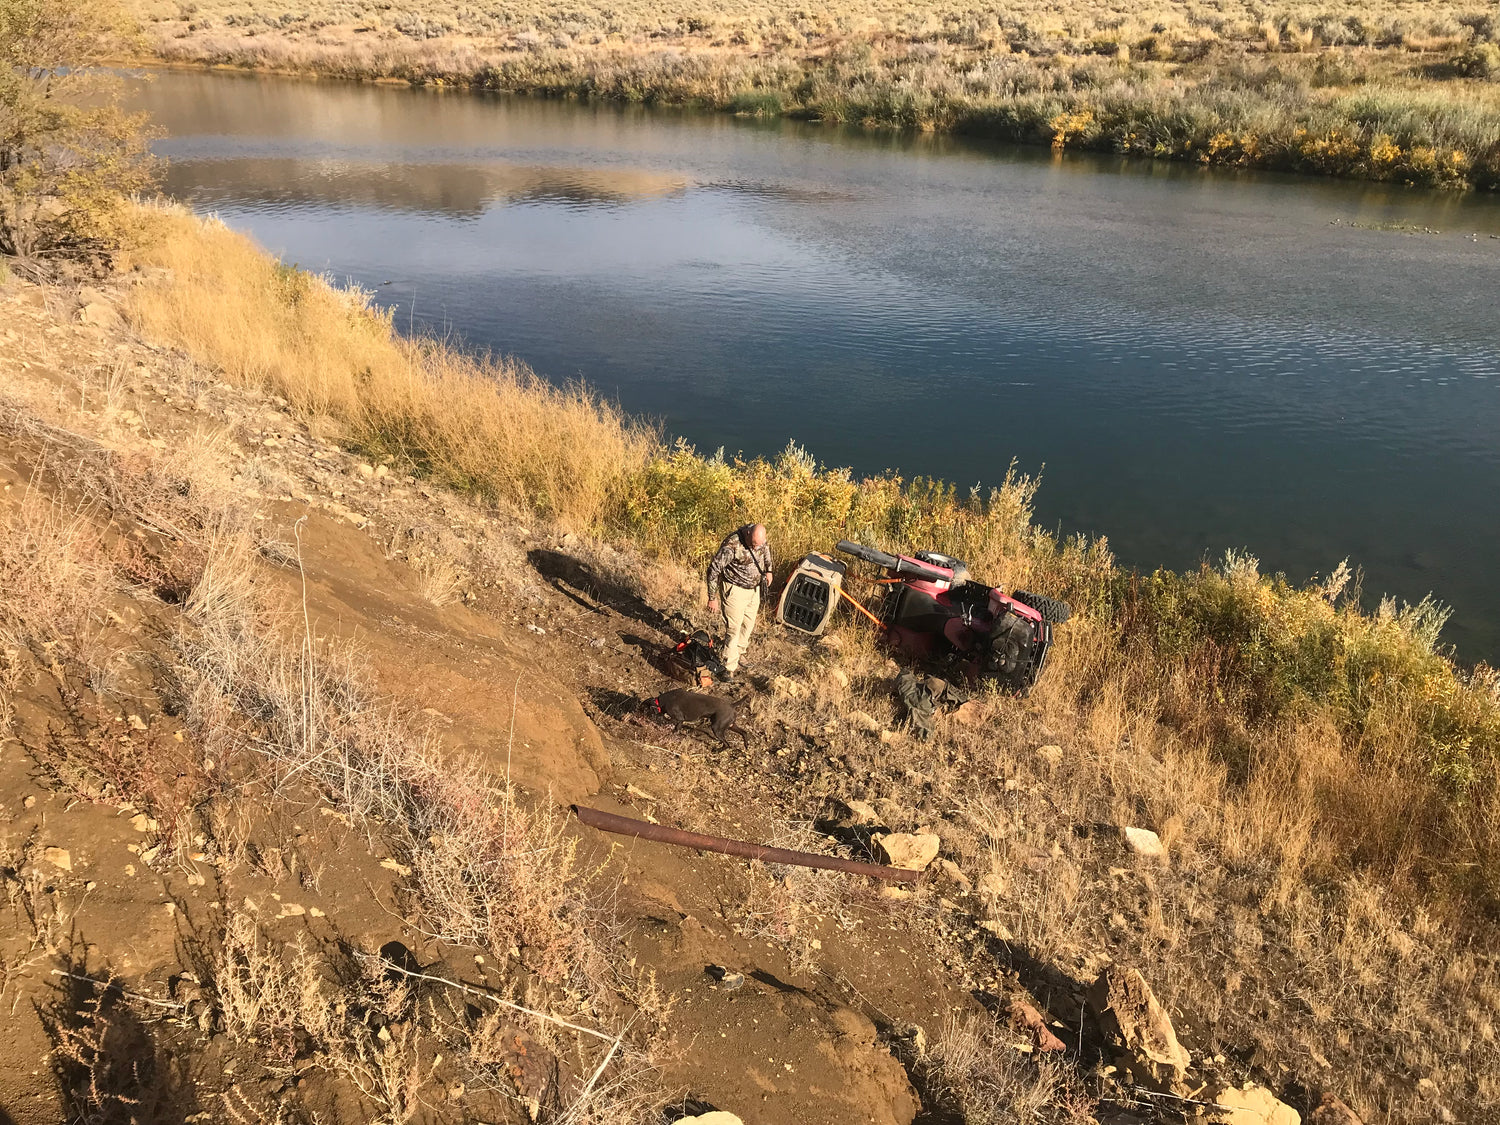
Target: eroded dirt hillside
290	744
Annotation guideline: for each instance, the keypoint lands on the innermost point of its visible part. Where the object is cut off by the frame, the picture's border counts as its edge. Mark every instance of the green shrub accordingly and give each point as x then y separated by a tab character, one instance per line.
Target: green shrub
1480	61
68	154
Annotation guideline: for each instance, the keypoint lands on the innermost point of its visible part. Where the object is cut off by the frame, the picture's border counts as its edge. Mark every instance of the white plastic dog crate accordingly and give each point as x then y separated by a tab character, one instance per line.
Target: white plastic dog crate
811	594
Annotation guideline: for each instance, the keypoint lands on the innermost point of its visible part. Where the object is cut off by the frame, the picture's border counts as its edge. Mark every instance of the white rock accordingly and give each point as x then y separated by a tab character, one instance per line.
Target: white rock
862	812
1142	841
860	720
98	314
912	851
1051	754
784	687
838	677
1254	1105
716	1117
58	857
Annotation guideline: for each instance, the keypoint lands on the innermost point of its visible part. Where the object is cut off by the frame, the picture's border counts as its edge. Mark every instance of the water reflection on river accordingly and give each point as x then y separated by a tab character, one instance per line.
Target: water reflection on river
1201	360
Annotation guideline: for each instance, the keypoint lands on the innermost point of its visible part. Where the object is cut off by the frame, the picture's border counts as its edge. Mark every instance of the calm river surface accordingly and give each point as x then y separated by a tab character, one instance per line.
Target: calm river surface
1200	361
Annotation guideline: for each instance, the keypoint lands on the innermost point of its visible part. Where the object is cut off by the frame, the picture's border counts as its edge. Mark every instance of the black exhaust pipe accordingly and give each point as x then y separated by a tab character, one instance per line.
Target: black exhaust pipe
892	562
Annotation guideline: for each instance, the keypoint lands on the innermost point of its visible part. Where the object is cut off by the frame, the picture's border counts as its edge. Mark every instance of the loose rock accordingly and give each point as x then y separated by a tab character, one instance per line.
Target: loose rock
99	314
1332	1111
1144	842
783	687
912	851
1024	1016
1254	1105
1051	754
1129	1012
716	1117
951	870
865	722
972	713
58	857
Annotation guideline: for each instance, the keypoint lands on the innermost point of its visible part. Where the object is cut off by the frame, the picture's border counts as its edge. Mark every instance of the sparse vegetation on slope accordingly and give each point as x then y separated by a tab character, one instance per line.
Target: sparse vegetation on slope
138	573
1320	922
1351	731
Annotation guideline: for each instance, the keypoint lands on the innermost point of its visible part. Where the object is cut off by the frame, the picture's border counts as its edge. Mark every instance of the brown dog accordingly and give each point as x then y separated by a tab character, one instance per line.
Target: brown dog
682	707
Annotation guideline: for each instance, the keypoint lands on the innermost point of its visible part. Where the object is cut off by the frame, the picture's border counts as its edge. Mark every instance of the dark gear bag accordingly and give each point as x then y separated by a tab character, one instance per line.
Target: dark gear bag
695	661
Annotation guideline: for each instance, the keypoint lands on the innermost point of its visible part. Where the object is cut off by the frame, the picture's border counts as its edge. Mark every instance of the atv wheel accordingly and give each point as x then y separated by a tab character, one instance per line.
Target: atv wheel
1009	655
1050	608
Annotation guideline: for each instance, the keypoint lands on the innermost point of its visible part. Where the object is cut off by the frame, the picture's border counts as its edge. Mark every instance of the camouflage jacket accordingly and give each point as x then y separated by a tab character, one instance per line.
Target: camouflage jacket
738	564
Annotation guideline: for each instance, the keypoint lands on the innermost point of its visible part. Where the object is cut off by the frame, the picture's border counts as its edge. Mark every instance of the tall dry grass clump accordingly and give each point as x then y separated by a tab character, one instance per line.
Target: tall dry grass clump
486	426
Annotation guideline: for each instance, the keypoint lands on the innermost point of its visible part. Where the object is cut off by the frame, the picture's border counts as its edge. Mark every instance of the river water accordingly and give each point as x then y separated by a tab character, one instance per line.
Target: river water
1194	360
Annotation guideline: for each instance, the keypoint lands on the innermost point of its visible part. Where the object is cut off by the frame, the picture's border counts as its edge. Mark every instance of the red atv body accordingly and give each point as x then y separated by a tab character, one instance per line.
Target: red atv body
933	612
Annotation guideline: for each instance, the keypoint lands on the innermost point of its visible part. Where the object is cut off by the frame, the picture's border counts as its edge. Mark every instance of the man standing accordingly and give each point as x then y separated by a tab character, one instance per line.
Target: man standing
743	565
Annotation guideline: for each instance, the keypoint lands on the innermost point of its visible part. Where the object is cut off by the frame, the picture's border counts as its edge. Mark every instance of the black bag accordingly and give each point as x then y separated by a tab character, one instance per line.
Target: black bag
695	660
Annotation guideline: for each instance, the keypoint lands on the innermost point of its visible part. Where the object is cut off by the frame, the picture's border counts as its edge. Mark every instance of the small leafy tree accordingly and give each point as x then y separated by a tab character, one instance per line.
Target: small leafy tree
69	154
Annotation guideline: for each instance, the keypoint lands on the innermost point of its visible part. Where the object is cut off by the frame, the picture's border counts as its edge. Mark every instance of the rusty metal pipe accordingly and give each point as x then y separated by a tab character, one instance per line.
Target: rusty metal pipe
625	826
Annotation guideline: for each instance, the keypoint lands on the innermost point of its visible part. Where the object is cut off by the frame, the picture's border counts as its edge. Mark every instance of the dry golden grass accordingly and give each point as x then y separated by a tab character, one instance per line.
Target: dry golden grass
974	1068
491	427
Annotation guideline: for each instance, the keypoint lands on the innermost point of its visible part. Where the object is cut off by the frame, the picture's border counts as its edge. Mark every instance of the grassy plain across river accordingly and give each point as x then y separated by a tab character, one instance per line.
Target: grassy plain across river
1400	92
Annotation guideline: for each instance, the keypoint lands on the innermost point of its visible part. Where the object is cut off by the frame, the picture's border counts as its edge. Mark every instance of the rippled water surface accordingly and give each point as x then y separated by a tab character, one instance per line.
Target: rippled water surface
1200	360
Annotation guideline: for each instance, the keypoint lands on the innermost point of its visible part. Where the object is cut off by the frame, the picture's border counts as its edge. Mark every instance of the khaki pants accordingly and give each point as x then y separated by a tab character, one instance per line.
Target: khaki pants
741	607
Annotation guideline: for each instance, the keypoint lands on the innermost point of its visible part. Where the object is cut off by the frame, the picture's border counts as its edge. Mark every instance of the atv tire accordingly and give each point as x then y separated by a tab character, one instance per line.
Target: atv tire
1050	608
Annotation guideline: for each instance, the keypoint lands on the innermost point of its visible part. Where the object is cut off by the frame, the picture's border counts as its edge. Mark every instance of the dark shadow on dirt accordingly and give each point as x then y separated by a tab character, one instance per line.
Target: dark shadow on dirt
1054	991
616	704
109	1066
688	1107
776	982
856	837
577	580
936	1107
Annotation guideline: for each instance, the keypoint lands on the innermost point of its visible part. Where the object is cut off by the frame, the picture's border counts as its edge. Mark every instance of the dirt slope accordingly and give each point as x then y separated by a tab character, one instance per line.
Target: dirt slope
263	705
778	1048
